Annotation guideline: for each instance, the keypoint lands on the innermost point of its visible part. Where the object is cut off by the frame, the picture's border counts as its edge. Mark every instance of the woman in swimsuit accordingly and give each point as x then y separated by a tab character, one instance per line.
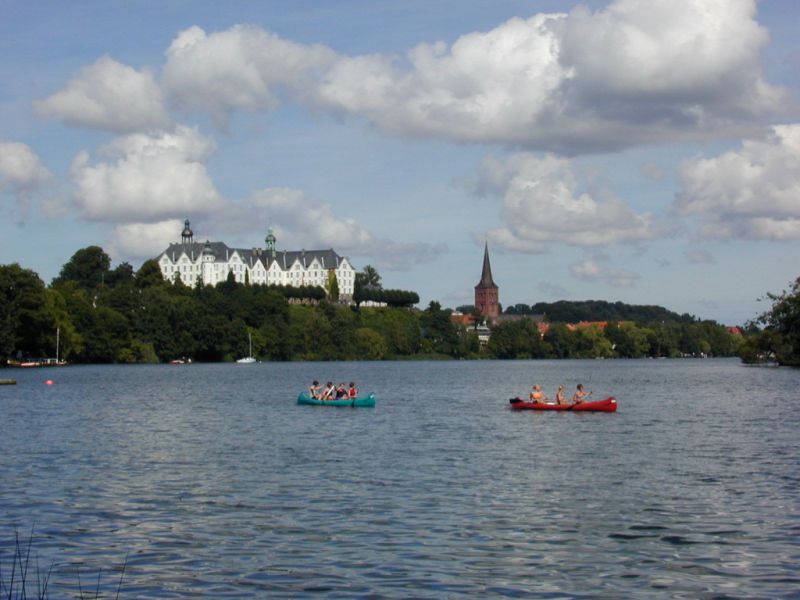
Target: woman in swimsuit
537	395
560	399
580	394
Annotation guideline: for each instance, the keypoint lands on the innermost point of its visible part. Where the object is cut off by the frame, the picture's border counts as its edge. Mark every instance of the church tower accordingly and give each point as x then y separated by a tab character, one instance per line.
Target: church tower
486	292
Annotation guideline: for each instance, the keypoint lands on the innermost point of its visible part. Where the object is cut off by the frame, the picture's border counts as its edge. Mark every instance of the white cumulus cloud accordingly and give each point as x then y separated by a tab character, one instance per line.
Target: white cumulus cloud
691	52
543	205
20	167
749	193
297	217
635	72
142	241
241	68
21	174
110	96
492	86
574	82
147	178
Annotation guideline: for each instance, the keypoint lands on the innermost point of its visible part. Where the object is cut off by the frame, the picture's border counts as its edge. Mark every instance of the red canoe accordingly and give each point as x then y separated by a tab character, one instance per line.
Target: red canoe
607	405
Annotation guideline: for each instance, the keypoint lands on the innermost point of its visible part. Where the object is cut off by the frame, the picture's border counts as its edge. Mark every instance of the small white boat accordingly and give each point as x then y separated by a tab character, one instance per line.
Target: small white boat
249	358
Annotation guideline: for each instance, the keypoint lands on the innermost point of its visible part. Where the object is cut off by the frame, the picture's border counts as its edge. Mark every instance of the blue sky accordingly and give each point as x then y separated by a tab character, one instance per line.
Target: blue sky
647	152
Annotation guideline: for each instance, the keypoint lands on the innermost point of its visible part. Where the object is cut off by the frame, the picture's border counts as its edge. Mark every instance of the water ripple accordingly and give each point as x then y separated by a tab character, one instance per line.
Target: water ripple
213	483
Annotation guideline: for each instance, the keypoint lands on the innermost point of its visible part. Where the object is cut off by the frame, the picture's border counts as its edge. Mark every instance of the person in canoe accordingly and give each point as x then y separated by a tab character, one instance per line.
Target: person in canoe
313	391
341	392
580	394
329	393
352	392
537	395
560	398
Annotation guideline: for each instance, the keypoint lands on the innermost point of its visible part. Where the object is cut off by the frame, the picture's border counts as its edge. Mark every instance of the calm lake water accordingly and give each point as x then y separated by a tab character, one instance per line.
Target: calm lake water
215	484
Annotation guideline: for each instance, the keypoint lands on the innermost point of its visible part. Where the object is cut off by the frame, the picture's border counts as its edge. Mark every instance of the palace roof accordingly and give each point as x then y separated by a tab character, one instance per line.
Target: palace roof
327	259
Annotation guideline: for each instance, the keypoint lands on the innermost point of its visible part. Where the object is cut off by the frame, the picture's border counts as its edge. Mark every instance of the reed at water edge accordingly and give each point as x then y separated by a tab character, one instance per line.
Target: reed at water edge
16	581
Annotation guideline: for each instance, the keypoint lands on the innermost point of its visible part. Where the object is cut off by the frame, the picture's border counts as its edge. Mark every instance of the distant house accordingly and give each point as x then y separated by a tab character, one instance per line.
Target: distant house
602	325
212	262
480	328
460	318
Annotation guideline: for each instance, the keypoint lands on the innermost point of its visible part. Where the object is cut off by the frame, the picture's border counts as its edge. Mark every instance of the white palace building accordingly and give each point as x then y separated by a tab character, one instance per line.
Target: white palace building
210	262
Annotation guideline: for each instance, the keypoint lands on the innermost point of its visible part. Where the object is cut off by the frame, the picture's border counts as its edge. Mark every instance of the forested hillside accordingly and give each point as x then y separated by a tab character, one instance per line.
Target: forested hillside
106	315
567	311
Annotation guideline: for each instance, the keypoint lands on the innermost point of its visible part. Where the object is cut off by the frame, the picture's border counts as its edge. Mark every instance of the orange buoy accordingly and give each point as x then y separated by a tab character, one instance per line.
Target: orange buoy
49	382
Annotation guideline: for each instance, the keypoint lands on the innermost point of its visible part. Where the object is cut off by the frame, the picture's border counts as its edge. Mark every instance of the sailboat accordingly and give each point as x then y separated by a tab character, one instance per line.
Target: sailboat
249	358
46	362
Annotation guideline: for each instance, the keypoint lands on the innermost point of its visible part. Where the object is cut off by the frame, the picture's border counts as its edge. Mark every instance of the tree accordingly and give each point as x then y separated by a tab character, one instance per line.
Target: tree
371	278
397	298
309	334
25	323
759	347
783	319
692	342
628	340
400	329
332	287
106	335
439	335
566	311
366	284
561	340
121	275
369	344
468	343
229	285
88	267
591	343
149	274
517	339
519	309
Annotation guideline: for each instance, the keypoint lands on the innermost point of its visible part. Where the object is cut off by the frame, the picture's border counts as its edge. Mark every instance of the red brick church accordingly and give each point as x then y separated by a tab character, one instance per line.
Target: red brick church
487	297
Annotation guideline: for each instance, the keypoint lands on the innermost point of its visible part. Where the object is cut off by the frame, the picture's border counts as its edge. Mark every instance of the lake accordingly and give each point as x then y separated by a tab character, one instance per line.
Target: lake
214	483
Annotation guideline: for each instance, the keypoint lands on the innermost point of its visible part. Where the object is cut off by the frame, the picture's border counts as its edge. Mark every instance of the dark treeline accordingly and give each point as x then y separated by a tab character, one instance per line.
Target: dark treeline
565	311
625	339
109	315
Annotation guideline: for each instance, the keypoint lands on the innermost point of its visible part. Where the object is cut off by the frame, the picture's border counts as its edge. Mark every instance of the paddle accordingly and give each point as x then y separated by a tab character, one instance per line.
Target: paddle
515	400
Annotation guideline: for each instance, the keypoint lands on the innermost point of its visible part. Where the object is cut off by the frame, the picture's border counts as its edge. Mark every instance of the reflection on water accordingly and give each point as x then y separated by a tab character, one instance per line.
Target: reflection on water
215	483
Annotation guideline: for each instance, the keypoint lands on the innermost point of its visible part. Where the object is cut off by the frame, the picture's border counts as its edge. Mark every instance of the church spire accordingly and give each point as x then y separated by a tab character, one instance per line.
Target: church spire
486	274
487	294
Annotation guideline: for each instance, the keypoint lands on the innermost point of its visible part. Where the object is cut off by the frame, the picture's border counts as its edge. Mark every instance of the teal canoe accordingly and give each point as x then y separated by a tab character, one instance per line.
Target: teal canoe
368	401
